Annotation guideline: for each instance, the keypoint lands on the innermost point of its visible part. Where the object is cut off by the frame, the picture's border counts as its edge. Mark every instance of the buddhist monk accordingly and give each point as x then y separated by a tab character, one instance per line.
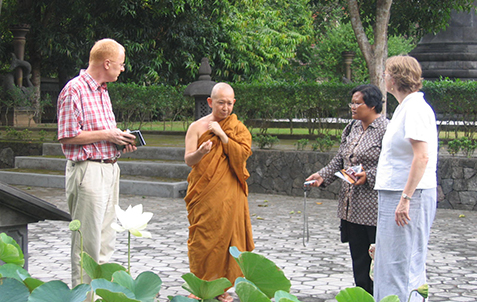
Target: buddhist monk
217	147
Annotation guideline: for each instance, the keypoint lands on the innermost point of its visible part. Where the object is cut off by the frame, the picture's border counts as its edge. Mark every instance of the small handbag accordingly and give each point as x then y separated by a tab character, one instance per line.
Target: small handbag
344	231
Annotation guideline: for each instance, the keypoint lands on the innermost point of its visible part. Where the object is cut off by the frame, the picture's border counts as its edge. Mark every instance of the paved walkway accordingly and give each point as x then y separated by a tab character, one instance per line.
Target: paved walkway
317	272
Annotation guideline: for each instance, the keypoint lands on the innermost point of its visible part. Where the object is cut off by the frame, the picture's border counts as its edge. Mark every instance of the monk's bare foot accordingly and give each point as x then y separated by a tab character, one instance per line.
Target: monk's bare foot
226	297
191	296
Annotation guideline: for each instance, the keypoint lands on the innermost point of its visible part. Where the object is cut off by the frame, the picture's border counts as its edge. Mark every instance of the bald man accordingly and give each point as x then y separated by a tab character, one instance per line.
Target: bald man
217	147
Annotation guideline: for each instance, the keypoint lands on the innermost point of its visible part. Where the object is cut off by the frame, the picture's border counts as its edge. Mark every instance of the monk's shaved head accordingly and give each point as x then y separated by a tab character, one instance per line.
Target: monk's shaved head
221	87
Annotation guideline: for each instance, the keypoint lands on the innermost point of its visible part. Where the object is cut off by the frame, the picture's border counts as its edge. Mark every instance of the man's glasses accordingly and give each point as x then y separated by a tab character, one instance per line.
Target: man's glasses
122	65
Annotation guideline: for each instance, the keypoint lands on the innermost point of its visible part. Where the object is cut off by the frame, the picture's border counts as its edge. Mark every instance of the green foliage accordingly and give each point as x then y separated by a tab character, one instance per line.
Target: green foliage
468	146
16	284
205	289
16	97
358	294
302	143
61	291
11	270
164	40
283	296
31	283
14	290
422	290
416	18
132	103
244	40
42	135
96	271
261	37
263	280
354	294
12	133
453	146
282	100
54	137
181	299
10	251
248	292
259	103
125	289
326	60
265	141
465	144
408	18
145	287
324	143
262	272
454	103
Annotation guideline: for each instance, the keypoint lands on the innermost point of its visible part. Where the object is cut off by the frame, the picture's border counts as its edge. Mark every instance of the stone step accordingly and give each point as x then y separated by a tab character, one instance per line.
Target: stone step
154	168
149	153
149	171
134	185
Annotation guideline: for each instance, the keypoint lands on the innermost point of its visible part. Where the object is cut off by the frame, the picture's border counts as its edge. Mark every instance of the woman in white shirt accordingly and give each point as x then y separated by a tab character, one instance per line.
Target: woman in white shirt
406	181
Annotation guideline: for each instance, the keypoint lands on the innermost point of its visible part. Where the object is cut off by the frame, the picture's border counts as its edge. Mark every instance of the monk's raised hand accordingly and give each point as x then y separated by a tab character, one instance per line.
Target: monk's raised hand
205	147
215	128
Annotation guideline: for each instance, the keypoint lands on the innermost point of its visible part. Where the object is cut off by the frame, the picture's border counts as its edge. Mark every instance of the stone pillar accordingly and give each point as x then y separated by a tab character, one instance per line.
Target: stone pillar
19	32
451	52
200	90
348	57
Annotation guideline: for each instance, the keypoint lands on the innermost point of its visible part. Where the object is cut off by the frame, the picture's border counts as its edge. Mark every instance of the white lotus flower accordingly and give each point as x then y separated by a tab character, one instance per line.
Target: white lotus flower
132	220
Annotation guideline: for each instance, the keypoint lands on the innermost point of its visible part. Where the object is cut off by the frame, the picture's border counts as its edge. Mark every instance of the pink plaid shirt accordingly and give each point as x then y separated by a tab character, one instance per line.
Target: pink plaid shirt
84	105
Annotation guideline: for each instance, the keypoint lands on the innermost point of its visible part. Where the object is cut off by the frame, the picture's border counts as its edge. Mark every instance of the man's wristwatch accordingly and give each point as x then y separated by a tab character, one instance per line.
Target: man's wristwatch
405	196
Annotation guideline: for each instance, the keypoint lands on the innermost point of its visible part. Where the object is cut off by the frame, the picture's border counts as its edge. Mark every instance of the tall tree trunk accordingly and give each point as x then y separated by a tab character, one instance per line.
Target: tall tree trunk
375	54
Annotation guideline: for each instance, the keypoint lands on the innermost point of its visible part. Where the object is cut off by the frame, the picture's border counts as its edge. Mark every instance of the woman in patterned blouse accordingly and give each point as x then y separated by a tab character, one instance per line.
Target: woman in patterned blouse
358	202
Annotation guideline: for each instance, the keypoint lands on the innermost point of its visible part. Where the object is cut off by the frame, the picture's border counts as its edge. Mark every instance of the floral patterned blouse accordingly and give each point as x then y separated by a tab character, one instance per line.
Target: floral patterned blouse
358	204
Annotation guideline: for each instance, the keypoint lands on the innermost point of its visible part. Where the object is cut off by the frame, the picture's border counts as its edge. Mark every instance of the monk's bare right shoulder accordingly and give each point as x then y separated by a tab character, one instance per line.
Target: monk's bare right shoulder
198	127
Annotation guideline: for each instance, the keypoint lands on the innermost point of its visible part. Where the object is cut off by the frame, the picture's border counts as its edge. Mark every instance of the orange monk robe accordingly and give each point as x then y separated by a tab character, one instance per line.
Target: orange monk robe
217	204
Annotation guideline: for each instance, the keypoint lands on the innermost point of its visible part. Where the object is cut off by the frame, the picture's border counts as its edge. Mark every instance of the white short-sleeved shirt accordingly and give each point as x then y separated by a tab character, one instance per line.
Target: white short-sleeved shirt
412	119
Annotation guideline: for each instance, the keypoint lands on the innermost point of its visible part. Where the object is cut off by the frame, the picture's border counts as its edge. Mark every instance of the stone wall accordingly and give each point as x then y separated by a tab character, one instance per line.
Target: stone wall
283	172
457	179
10	149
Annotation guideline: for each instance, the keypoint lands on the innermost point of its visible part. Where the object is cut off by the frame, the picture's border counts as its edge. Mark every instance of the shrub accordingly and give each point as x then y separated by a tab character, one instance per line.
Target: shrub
468	146
265	141
324	144
453	101
453	147
301	144
12	133
42	135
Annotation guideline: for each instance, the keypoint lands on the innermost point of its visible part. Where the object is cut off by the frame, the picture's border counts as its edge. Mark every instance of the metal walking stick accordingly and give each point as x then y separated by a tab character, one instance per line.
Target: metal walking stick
306	231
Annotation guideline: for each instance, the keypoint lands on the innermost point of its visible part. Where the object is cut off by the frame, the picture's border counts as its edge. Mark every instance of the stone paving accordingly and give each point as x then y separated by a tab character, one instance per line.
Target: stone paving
317	272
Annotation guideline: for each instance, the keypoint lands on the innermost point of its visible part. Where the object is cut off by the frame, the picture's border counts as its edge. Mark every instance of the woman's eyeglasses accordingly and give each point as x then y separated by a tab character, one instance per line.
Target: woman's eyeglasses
351	105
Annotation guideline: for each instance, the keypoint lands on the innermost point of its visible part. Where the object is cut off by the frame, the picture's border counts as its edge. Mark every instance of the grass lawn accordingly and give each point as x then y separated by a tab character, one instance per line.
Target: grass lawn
47	133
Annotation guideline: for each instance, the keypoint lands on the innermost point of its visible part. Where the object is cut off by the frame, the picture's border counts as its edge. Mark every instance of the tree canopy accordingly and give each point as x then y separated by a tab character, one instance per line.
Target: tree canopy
374	20
244	40
164	39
